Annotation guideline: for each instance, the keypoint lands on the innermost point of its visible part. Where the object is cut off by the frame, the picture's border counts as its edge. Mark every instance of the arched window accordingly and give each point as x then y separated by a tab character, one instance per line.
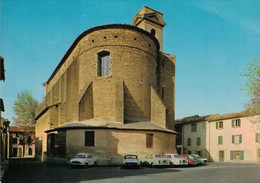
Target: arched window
103	63
153	32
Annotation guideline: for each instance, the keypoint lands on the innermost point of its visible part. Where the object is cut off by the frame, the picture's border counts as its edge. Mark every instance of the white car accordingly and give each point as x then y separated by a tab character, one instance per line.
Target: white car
130	160
204	160
155	160
176	159
83	159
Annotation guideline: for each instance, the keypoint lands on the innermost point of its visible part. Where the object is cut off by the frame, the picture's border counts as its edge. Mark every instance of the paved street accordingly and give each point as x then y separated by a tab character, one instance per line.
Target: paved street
31	171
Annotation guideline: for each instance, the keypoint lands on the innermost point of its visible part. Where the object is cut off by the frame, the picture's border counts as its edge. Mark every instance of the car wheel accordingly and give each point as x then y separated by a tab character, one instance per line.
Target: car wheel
95	164
171	165
86	165
152	165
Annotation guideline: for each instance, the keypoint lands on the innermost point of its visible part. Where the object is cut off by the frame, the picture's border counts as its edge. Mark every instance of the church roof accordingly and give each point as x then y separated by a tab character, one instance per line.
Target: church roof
96	123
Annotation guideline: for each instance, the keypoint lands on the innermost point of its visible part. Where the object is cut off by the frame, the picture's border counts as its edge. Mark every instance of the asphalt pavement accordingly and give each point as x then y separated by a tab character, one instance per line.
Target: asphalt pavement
31	171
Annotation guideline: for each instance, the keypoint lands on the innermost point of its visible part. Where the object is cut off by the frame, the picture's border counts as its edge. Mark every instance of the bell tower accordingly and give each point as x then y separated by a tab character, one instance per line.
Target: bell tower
151	21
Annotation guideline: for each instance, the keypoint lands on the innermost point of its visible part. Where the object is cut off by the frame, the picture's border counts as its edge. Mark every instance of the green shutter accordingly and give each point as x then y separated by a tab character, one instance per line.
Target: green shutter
216	125
233	139
242	155
240	138
233	121
239	122
198	141
220	140
256	137
231	155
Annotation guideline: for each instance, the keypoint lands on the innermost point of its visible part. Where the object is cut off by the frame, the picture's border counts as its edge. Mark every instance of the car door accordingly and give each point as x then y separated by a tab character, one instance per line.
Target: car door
90	160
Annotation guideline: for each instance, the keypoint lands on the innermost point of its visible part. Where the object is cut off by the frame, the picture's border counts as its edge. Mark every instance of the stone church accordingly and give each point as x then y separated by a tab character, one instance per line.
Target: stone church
112	93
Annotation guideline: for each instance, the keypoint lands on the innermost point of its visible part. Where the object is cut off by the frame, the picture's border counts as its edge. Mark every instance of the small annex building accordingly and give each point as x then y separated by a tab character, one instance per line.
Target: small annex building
112	93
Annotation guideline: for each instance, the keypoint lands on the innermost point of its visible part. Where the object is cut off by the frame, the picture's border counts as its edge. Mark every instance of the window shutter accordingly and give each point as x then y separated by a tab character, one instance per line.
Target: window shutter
241	155
189	141
2	107
231	155
240	138
233	121
149	140
216	125
89	138
256	137
239	122
233	139
2	69
198	141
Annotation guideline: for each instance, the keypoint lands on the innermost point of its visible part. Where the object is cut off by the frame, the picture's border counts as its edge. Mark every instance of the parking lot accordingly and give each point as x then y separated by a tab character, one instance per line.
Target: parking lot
38	172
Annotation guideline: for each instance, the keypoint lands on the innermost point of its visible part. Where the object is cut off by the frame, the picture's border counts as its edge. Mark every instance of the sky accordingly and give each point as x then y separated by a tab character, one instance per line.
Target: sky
213	42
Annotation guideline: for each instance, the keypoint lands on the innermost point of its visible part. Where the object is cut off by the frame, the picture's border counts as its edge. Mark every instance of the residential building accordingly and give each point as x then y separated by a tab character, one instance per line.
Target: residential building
111	94
235	137
21	142
192	138
221	138
4	128
3	122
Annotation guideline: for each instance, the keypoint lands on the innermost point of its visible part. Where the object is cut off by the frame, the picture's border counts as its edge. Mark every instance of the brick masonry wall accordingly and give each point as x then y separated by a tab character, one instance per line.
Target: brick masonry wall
76	92
133	61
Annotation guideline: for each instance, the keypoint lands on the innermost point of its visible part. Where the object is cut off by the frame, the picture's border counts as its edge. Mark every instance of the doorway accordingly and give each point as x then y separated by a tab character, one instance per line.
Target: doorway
221	156
258	155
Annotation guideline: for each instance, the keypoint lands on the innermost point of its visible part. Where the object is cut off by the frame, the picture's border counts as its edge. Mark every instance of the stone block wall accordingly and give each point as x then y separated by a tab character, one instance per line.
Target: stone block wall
133	61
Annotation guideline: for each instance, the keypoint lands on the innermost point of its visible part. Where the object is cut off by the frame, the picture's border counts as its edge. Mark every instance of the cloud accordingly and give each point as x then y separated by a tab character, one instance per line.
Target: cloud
244	13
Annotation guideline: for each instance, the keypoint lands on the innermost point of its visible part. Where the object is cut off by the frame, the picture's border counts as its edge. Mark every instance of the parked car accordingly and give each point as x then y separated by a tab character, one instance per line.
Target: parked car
199	162
204	160
83	159
176	159
155	160
191	162
130	161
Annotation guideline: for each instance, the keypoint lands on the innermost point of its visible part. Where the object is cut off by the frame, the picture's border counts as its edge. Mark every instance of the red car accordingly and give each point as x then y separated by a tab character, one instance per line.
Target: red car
191	162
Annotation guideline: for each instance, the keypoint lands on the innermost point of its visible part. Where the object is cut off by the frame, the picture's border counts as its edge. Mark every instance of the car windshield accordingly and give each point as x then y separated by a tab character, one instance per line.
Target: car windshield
160	156
130	157
197	156
191	157
80	156
177	156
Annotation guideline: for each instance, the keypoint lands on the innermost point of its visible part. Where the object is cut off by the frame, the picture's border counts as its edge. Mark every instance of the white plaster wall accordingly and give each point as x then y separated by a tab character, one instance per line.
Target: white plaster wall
201	132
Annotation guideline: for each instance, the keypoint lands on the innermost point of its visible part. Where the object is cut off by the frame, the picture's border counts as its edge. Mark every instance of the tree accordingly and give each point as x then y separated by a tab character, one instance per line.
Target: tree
25	109
252	85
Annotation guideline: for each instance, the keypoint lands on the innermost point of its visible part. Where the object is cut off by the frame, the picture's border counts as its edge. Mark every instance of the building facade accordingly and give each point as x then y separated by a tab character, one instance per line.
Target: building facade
4	129
112	93
192	138
221	138
21	142
235	137
4	124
